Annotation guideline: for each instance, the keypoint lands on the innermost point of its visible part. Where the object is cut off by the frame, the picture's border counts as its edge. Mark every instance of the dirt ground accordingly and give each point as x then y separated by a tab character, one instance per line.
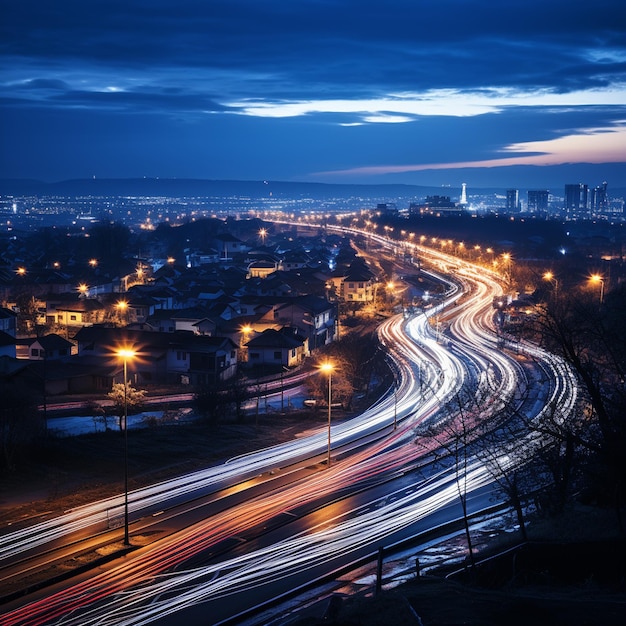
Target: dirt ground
66	472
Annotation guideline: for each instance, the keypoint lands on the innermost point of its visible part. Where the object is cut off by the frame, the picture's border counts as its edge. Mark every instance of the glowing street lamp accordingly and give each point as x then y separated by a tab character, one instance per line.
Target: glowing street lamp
125	354
93	263
549	276
83	289
122	307
328	368
263	235
597	278
243	340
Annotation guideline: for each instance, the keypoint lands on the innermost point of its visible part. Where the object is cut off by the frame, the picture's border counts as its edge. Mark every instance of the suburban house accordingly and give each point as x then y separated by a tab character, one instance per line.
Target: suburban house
69	310
50	347
8	321
314	318
163	357
261	268
358	284
294	260
73	375
191	319
197	258
276	347
228	245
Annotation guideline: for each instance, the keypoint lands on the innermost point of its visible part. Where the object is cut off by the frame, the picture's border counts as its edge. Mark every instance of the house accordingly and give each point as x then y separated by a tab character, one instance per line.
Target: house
314	318
139	307
200	360
70	310
273	347
50	347
163	357
8	321
294	260
358	284
228	245
196	258
261	268
189	319
74	375
271	285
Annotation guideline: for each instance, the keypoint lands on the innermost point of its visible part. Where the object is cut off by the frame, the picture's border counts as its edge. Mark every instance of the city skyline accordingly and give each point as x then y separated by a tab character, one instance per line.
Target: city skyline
434	93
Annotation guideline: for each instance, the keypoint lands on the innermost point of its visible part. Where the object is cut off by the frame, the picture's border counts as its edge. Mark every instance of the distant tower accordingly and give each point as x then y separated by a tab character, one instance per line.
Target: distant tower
463	193
512	200
538	200
576	200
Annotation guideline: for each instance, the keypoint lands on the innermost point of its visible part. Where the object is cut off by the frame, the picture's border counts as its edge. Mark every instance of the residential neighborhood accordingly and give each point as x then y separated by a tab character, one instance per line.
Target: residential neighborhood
199	304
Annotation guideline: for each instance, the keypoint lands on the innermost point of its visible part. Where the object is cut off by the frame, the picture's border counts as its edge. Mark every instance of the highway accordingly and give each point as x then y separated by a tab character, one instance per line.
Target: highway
237	535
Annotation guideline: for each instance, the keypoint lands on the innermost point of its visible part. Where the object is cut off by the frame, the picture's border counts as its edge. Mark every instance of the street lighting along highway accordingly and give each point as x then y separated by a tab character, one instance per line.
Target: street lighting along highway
125	354
327	368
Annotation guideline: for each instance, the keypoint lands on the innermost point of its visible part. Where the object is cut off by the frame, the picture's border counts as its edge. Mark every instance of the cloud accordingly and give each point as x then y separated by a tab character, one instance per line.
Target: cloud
336	84
598	145
455	103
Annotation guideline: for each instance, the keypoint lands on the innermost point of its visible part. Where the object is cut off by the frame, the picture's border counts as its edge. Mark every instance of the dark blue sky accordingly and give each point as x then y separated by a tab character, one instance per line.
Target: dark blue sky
523	93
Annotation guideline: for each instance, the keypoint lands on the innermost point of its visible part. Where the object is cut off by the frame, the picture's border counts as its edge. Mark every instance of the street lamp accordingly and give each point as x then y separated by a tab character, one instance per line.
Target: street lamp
328	368
597	278
125	354
122	307
243	340
549	276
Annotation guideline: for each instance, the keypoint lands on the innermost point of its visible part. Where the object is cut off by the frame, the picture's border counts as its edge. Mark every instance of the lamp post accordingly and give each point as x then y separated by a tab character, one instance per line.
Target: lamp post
328	368
125	354
122	308
244	334
549	276
597	278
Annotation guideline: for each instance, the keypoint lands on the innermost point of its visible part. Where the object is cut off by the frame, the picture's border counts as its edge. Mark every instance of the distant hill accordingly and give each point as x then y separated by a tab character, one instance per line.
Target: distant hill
179	187
189	187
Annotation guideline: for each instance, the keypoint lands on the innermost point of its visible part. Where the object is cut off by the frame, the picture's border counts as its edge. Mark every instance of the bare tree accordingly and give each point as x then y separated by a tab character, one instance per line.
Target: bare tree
448	441
590	336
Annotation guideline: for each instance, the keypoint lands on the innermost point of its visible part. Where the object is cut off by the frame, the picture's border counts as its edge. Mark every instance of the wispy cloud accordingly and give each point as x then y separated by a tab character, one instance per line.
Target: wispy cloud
599	145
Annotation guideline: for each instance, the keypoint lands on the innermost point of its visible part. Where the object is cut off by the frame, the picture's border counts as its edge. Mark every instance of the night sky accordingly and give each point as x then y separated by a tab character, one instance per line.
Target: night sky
514	93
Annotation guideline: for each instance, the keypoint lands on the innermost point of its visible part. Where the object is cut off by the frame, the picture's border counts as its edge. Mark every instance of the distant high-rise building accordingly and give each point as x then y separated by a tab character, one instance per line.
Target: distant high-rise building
538	200
512	200
576	200
599	199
